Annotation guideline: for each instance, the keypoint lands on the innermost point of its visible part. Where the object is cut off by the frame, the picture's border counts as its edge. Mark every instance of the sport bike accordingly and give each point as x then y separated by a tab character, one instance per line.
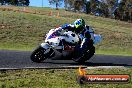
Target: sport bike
66	43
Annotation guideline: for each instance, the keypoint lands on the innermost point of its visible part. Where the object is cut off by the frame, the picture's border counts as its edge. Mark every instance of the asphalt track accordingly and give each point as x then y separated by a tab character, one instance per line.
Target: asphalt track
21	59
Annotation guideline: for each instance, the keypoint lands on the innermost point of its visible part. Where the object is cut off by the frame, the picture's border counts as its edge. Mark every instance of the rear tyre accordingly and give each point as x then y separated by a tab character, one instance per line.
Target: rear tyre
85	56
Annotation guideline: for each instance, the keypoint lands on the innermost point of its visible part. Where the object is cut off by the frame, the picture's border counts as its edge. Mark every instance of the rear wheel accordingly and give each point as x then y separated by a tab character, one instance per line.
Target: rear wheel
85	56
40	54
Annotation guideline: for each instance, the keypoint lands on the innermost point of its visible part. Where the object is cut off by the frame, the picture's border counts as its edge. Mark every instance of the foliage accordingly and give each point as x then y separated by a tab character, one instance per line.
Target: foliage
15	2
107	8
124	10
56	2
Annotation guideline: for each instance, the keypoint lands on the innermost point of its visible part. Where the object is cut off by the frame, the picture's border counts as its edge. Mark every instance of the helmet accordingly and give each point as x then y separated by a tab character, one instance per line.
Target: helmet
79	23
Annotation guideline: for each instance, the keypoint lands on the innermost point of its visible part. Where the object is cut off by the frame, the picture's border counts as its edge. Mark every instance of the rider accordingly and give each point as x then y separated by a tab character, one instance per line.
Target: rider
85	33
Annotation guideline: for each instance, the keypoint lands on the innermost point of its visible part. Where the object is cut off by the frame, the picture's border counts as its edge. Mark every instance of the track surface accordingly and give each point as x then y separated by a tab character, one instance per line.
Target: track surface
21	59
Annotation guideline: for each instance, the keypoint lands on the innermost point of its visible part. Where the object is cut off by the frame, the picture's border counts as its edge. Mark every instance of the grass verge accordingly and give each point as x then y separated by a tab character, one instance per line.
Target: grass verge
56	78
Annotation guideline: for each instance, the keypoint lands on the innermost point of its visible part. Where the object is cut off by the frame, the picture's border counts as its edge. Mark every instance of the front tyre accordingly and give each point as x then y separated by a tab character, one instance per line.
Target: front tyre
40	54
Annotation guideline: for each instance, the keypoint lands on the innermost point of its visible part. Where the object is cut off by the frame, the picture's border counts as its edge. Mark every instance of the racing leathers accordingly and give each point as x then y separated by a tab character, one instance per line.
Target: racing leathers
86	36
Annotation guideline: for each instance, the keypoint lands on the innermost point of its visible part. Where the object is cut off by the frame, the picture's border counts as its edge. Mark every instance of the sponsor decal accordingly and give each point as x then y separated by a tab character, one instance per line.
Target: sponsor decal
101	78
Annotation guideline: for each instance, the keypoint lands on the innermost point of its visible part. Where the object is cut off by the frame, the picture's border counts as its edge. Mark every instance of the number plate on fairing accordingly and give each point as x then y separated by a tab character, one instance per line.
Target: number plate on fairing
69	48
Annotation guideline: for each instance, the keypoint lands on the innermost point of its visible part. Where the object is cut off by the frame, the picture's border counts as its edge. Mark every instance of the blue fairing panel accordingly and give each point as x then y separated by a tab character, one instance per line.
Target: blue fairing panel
65	26
53	35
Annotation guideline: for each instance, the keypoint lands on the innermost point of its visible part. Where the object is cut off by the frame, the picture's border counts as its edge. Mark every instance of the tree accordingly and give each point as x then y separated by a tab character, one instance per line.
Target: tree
104	8
118	9
56	2
78	4
88	9
69	4
3	2
15	2
93	5
125	9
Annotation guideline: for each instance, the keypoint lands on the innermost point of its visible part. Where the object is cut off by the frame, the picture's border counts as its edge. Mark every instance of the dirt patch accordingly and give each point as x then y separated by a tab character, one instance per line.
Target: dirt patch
5	26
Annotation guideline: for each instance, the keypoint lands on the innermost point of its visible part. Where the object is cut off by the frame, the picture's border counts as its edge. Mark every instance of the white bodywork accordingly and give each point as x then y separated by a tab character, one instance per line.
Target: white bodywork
67	36
71	37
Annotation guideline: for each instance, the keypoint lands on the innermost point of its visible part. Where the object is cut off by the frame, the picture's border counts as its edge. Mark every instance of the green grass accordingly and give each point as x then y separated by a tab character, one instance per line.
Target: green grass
114	52
53	78
24	31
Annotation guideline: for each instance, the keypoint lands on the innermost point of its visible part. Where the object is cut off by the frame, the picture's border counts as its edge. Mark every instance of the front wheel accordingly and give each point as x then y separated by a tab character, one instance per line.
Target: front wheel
40	54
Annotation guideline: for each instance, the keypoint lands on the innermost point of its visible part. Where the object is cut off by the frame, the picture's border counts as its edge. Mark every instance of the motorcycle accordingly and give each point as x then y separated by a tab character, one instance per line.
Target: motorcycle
66	43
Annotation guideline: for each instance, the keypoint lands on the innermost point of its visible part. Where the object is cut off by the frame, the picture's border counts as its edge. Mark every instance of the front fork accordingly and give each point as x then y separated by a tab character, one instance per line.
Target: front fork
49	50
